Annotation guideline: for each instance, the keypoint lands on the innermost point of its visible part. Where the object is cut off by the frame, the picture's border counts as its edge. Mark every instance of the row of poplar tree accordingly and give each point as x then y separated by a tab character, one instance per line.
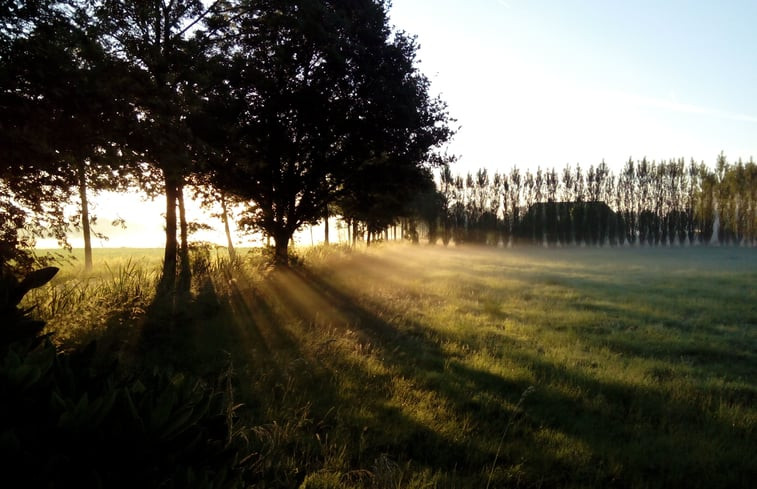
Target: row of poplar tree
645	203
293	109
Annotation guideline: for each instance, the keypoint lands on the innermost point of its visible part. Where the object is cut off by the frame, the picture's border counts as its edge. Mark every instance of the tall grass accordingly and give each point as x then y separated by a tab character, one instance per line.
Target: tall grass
81	307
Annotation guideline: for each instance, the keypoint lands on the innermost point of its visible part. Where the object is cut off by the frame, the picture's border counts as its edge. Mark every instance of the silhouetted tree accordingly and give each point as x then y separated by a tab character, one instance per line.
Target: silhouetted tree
655	204
495	210
33	188
459	212
447	182
513	199
329	92
428	207
160	42
63	104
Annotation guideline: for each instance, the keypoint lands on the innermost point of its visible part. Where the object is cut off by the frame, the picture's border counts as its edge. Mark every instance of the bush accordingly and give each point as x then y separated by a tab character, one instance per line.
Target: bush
66	421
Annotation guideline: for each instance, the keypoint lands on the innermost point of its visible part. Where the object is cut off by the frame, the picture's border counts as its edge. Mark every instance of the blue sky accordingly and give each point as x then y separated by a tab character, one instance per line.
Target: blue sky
554	82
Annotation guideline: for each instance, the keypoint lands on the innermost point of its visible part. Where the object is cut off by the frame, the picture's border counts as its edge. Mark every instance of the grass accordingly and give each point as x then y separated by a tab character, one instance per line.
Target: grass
428	367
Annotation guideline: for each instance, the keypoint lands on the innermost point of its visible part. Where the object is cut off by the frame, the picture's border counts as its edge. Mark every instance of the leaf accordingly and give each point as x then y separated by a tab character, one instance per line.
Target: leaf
12	360
132	408
177	424
83	404
138	387
163	406
105	406
35	279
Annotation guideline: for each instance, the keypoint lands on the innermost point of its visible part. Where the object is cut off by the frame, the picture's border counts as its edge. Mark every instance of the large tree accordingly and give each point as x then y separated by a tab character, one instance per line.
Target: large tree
329	93
59	96
160	41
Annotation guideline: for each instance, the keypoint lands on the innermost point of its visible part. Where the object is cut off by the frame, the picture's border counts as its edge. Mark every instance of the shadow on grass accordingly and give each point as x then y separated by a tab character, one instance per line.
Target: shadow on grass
364	397
637	436
279	331
666	324
656	437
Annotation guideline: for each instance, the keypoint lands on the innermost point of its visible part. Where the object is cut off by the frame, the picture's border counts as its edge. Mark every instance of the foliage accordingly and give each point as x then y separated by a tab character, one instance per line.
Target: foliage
70	421
647	204
330	105
62	109
18	326
287	106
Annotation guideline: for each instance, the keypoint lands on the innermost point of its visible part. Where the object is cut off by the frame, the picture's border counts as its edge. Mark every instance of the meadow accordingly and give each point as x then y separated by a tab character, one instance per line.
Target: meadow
418	366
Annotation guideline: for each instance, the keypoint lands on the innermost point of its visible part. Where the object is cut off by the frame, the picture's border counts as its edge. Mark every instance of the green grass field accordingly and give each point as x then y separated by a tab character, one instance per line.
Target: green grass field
406	366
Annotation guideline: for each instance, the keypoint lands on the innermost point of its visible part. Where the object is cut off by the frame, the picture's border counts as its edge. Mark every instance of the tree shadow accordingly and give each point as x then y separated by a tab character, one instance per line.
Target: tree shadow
263	324
286	337
682	335
387	428
656	436
608	417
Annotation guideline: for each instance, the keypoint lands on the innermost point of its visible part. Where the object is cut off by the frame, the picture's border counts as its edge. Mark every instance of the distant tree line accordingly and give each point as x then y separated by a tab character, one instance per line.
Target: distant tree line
294	109
647	203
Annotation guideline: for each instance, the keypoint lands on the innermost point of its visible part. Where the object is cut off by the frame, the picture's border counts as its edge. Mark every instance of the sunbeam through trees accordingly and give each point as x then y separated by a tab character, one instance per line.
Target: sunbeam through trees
592	325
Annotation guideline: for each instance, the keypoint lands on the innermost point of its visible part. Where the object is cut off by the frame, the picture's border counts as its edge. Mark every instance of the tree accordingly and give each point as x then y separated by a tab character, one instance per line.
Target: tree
513	199
160	41
330	95
567	225
494	211
427	206
59	94
458	211
447	183
379	192
551	212
27	180
628	184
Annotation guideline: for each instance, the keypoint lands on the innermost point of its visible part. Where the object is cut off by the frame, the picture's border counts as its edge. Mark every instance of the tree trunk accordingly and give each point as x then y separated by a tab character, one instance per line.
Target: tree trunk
281	248
185	273
168	278
326	226
85	217
225	219
413	231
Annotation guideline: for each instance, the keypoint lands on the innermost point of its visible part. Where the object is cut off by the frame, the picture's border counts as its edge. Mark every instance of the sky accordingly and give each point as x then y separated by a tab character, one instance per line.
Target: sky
554	82
550	82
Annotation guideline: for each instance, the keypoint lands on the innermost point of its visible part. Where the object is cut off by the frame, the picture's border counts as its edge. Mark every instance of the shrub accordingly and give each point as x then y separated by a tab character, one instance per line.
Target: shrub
68	421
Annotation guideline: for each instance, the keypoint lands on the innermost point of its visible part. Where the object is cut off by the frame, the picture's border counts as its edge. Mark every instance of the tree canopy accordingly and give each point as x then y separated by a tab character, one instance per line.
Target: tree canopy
331	108
290	106
58	117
